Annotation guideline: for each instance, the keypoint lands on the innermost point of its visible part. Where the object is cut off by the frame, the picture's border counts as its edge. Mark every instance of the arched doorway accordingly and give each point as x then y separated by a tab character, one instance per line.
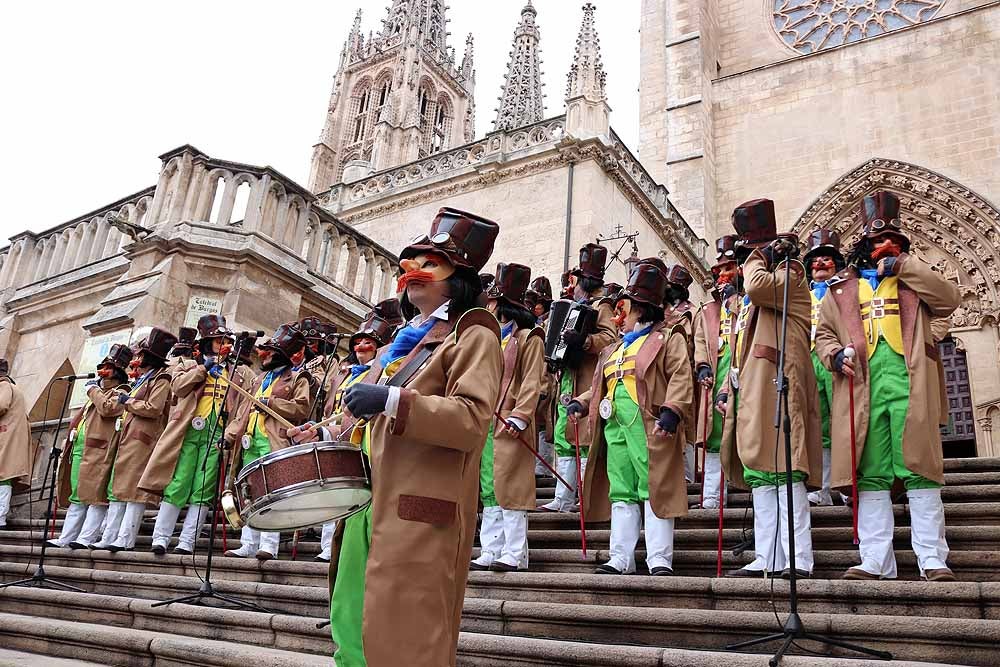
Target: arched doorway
958	233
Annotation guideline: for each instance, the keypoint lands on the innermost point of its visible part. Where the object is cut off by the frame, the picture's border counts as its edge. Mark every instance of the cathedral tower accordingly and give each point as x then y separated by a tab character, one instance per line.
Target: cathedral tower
521	102
397	96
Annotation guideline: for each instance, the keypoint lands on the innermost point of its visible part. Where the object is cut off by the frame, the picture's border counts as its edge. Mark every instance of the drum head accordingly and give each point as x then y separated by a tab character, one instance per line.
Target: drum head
277	512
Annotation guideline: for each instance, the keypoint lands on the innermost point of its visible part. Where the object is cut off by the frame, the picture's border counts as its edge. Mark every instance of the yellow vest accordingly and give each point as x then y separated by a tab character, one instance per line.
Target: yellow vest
622	361
741	324
880	313
211	396
725	328
338	397
256	418
816	303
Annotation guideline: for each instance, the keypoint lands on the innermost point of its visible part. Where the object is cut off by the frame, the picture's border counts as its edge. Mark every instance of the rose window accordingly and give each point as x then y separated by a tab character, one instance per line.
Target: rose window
812	25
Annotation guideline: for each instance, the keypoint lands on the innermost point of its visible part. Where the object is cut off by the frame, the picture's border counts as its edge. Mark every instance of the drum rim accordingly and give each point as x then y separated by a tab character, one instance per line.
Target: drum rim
250	511
304	448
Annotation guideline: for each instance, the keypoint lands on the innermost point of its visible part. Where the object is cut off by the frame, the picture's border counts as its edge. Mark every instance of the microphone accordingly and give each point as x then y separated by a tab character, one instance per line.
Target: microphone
250	334
73	378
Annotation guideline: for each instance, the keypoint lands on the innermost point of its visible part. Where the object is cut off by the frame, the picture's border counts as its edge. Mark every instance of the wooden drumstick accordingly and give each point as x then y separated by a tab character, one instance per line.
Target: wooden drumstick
260	406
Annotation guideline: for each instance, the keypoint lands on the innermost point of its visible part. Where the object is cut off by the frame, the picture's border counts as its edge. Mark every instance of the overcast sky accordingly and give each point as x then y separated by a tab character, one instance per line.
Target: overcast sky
94	91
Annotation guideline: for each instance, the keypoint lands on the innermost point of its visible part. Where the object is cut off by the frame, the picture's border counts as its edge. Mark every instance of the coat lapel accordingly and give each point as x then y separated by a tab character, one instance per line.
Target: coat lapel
845	294
648	353
909	305
509	364
712	316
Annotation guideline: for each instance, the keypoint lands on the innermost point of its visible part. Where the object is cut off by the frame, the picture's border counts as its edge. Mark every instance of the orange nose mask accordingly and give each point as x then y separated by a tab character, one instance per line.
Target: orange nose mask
364	346
823	263
622	309
105	372
298	357
225	350
886	248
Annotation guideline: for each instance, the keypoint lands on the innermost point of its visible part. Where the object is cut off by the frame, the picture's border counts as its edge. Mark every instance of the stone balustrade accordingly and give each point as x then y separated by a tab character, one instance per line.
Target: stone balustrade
32	258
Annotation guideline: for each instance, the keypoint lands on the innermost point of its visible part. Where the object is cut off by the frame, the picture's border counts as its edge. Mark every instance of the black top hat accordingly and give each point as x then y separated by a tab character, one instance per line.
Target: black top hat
754	223
541	288
593	261
212	326
119	356
511	283
466	239
314	328
158	343
823	242
381	323
648	282
287	340
880	215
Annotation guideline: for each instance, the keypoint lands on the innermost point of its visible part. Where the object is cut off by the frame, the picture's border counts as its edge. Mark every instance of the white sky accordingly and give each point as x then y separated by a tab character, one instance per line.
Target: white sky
94	91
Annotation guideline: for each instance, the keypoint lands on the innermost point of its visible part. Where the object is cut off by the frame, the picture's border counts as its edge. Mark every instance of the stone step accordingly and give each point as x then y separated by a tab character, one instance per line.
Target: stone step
132	647
954	641
893	598
10	658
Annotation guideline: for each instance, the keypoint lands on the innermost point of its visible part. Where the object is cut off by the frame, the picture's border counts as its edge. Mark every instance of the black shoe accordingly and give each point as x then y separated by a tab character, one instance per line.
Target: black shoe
320	559
180	551
158	549
607	569
498	566
52	544
799	574
661	572
744	574
113	548
476	567
78	545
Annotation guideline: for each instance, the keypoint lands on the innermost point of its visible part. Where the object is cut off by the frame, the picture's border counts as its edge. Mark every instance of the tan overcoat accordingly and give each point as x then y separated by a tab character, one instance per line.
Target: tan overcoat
923	296
143	422
683	315
513	463
662	379
186	388
425	481
99	447
706	351
606	334
17	449
749	437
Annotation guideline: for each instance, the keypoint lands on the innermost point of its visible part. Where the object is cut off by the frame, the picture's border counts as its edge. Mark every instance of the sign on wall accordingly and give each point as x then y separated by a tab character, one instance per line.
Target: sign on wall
95	348
201	305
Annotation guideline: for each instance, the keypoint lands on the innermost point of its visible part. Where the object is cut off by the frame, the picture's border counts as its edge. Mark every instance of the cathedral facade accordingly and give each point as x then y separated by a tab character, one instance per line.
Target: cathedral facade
815	104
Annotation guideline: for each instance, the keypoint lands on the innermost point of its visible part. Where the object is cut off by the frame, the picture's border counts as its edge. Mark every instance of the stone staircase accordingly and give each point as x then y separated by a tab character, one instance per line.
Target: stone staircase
559	613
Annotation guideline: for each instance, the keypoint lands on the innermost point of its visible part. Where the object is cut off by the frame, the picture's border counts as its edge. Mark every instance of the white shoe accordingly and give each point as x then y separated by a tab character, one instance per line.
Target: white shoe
129	530
243	552
92	526
515	539
803	526
249	539
270	543
490	538
712	481
112	524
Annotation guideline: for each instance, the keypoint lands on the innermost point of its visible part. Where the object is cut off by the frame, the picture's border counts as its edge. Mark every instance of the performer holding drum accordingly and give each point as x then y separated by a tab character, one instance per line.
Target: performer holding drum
184	465
587	284
89	453
640	394
507	471
147	406
287	393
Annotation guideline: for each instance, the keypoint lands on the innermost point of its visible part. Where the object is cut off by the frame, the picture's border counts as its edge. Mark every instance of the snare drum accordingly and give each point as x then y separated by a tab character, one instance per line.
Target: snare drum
304	485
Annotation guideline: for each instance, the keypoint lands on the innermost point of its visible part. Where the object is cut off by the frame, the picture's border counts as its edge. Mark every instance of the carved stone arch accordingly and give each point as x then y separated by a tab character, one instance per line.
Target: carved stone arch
951	227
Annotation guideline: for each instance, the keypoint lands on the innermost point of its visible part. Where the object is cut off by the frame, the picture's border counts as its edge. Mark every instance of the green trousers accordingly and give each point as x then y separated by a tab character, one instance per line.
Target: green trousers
882	459
76	457
347	602
824	380
758	478
487	491
628	454
260	446
195	478
564	441
718	420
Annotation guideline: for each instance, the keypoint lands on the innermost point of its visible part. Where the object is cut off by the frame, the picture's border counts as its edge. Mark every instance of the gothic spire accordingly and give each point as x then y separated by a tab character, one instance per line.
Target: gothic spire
468	70
428	16
521	101
586	74
356	39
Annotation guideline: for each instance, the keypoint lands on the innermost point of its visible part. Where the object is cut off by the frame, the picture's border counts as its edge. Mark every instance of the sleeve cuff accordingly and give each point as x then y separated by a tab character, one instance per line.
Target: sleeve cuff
392	403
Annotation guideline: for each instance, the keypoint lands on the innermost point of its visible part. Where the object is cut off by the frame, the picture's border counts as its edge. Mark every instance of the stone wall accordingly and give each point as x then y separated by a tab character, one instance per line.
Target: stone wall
920	95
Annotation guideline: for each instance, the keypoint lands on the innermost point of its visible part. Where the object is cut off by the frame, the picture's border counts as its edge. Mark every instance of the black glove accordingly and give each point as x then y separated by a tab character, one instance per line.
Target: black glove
668	421
574	409
224	444
886	267
574	338
93	383
728	291
704	373
208	362
838	360
123	398
366	400
723	398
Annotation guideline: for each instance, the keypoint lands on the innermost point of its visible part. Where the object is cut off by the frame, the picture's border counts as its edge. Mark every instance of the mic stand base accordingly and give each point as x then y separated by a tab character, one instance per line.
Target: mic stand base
207	592
794	629
41	580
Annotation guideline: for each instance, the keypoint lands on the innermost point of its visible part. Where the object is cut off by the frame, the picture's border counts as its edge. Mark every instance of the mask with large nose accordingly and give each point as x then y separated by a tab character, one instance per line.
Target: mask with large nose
423	269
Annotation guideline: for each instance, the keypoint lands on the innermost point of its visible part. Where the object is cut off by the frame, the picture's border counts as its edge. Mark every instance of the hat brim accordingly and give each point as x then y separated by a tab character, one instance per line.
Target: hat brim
822	251
411	251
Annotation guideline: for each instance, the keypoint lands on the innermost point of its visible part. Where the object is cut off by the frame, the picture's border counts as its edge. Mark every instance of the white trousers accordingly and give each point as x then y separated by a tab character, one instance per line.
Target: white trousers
76	515
927	529
166	520
823	497
112	524
129	529
545	451
659	540
712	481
689	457
326	539
193	521
769	556
565	498
93	525
515	539
875	526
490	536
625	523
802	526
6	493
252	541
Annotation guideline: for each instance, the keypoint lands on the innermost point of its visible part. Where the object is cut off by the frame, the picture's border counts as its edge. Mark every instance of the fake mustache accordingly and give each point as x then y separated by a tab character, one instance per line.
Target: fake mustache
886	249
415	277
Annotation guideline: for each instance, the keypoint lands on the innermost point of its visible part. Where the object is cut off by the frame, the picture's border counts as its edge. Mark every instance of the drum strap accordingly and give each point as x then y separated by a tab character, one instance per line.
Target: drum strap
416	362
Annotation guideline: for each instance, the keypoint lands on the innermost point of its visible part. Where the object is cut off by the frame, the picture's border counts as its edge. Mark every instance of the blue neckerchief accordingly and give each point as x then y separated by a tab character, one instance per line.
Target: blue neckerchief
406	339
145	376
506	329
633	336
871	275
271	376
746	300
358	369
819	289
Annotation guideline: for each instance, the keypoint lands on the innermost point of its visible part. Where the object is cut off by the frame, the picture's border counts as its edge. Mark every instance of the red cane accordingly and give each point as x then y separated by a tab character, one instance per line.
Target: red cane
849	354
579	486
722	491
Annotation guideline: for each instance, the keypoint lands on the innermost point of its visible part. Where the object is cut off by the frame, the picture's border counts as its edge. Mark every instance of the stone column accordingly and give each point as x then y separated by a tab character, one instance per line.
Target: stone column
255	205
45	258
100	239
199	176
314	243
83	254
333	253
224	215
206	196
351	274
368	281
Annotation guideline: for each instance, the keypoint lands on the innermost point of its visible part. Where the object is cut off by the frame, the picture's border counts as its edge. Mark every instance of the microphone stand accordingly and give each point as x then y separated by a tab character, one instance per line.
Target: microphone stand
793	628
206	591
39	579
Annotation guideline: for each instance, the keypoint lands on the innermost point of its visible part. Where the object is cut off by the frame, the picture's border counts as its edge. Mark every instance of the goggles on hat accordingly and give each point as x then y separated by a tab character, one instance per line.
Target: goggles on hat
879	224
